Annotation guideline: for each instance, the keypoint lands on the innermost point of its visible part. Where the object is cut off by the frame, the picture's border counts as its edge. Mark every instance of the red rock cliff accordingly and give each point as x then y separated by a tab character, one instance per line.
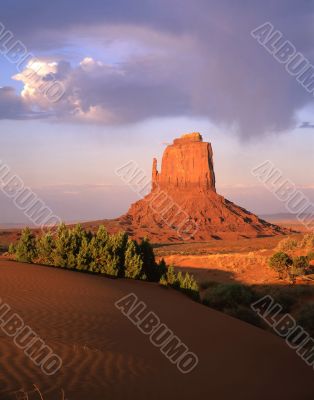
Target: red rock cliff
186	164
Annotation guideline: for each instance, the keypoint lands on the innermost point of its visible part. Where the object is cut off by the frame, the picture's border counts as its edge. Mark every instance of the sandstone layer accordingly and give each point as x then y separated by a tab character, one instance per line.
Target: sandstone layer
183	203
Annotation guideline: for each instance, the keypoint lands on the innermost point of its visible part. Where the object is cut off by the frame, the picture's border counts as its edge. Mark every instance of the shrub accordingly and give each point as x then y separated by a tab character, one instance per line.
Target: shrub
228	296
172	277
310	256
280	262
183	282
25	250
287	244
299	265
188	285
307	241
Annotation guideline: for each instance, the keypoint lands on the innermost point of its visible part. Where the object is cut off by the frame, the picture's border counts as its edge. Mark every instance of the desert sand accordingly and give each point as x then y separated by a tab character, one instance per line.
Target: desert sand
106	357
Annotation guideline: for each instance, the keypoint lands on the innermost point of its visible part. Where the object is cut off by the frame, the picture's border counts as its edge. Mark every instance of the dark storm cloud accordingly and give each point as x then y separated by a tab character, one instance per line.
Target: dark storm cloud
210	66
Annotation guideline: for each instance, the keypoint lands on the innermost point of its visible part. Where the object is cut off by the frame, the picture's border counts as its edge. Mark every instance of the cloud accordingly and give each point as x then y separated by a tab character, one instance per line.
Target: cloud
193	58
306	125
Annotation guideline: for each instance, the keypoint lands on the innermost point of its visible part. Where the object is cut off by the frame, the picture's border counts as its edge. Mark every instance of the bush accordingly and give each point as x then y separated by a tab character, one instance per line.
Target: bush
280	262
228	296
299	266
287	244
310	256
308	241
183	282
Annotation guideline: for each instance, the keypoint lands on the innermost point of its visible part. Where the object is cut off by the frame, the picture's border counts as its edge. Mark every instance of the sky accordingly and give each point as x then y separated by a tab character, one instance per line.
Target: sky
86	87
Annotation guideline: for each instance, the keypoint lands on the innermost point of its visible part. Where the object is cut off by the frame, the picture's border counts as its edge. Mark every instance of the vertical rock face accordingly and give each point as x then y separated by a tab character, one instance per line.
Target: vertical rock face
186	164
183	203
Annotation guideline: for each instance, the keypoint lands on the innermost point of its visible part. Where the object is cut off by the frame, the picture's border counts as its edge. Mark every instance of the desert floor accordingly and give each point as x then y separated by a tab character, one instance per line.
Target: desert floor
106	357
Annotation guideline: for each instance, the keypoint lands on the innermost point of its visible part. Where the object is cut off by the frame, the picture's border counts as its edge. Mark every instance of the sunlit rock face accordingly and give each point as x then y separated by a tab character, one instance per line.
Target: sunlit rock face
186	164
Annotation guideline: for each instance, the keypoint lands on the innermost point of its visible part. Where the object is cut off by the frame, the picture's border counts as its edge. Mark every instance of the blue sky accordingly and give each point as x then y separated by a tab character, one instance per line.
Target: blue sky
136	76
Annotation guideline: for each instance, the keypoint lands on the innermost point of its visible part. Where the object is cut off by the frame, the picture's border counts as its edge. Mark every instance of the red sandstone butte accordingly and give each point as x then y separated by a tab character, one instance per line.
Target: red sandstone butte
183	203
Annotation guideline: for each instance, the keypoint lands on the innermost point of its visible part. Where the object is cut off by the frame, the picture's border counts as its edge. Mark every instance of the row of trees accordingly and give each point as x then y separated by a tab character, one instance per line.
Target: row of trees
115	255
290	267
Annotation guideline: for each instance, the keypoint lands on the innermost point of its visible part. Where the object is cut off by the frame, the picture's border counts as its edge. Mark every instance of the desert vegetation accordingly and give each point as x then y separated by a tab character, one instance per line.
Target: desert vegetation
115	255
288	261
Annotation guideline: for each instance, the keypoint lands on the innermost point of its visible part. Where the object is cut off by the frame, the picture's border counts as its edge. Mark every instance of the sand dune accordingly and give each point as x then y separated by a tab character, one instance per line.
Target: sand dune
106	357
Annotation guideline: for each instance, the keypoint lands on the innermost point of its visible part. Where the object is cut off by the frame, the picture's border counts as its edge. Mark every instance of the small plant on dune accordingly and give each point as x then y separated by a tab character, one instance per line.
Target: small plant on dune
172	277
163	281
281	263
183	282
188	284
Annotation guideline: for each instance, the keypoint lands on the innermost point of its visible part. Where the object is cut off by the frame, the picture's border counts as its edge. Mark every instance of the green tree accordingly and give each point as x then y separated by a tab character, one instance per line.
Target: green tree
25	250
45	248
133	263
150	268
281	263
62	246
98	249
84	257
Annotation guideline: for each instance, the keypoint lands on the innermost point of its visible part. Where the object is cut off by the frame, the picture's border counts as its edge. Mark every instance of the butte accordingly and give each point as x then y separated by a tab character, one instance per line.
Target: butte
183	203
